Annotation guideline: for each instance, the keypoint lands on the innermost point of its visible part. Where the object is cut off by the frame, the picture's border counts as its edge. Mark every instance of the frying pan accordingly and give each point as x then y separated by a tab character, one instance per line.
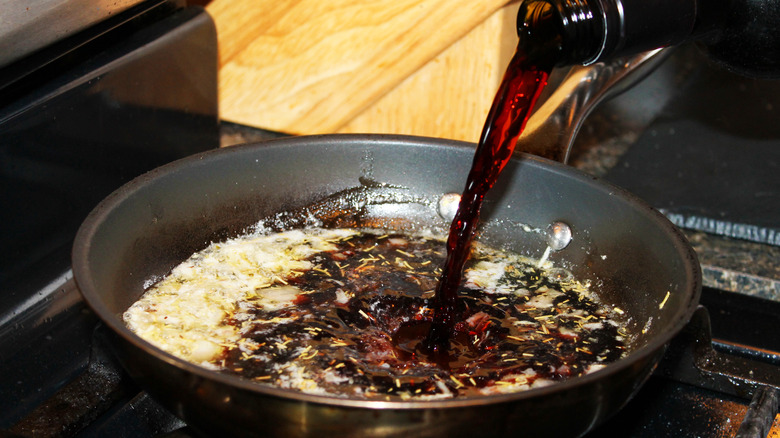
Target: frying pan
632	254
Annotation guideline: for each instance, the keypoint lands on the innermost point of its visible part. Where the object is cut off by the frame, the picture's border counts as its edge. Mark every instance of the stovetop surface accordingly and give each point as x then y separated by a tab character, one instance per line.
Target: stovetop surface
58	378
709	162
67	381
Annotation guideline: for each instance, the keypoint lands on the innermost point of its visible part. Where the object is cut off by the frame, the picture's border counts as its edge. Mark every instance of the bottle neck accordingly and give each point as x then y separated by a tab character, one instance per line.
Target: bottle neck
589	31
635	26
740	34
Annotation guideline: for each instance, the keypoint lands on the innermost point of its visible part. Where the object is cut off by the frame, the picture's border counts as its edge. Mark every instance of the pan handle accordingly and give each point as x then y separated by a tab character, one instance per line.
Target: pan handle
693	357
551	129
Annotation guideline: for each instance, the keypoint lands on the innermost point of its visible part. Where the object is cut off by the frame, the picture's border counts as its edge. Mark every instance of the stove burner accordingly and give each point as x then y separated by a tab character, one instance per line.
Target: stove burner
678	401
58	376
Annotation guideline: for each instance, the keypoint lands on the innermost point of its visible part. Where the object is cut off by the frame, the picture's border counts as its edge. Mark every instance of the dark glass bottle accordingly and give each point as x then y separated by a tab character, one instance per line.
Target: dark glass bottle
743	35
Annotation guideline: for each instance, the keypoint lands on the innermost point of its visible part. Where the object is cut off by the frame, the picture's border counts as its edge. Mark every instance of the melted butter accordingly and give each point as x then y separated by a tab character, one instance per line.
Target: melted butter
186	313
318	310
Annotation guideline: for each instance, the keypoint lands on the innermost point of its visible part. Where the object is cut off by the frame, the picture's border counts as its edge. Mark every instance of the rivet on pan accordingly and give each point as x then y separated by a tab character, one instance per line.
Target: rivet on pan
558	235
448	206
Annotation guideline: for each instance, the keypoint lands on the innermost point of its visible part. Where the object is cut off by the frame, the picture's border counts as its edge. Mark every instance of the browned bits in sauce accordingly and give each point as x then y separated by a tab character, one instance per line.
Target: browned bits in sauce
342	336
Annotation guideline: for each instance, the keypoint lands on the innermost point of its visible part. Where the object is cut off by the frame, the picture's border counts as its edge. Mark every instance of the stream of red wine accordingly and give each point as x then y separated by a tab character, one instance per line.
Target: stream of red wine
519	90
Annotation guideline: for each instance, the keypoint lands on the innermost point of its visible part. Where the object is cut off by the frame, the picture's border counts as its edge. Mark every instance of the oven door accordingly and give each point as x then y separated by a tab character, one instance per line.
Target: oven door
139	93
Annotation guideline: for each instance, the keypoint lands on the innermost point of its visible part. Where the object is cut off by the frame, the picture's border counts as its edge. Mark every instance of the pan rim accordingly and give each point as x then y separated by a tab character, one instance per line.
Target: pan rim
89	290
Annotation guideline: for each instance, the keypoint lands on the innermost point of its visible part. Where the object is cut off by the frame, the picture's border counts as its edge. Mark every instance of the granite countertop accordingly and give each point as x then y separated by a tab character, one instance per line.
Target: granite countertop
729	264
609	132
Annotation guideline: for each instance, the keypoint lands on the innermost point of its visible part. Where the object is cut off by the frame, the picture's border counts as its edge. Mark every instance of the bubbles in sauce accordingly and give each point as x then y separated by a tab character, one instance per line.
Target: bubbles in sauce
346	315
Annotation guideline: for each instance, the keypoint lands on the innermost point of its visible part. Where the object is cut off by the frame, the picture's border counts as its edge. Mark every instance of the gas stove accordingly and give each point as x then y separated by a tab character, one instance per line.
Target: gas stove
138	89
66	382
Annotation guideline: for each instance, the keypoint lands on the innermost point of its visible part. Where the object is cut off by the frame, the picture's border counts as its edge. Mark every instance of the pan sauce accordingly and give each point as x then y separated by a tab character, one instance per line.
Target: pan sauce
318	311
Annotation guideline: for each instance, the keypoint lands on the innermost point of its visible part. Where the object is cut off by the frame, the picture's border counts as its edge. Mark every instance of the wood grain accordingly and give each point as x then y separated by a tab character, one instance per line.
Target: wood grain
449	97
305	66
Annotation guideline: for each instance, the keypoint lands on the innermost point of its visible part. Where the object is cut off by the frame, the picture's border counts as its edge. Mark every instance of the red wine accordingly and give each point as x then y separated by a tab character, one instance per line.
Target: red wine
352	347
522	84
538	51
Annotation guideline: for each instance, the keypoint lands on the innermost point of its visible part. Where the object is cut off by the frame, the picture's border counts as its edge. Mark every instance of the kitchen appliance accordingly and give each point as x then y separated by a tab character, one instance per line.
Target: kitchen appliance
58	376
121	89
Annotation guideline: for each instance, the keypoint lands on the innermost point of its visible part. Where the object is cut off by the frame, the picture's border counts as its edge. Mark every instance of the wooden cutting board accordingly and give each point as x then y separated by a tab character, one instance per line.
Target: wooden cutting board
423	67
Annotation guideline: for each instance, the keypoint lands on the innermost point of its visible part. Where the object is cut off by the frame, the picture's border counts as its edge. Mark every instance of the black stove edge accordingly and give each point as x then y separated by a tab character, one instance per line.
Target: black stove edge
694	358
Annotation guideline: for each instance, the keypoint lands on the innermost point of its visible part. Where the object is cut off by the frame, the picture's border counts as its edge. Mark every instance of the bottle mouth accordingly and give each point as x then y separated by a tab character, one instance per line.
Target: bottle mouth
629	27
539	30
576	26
